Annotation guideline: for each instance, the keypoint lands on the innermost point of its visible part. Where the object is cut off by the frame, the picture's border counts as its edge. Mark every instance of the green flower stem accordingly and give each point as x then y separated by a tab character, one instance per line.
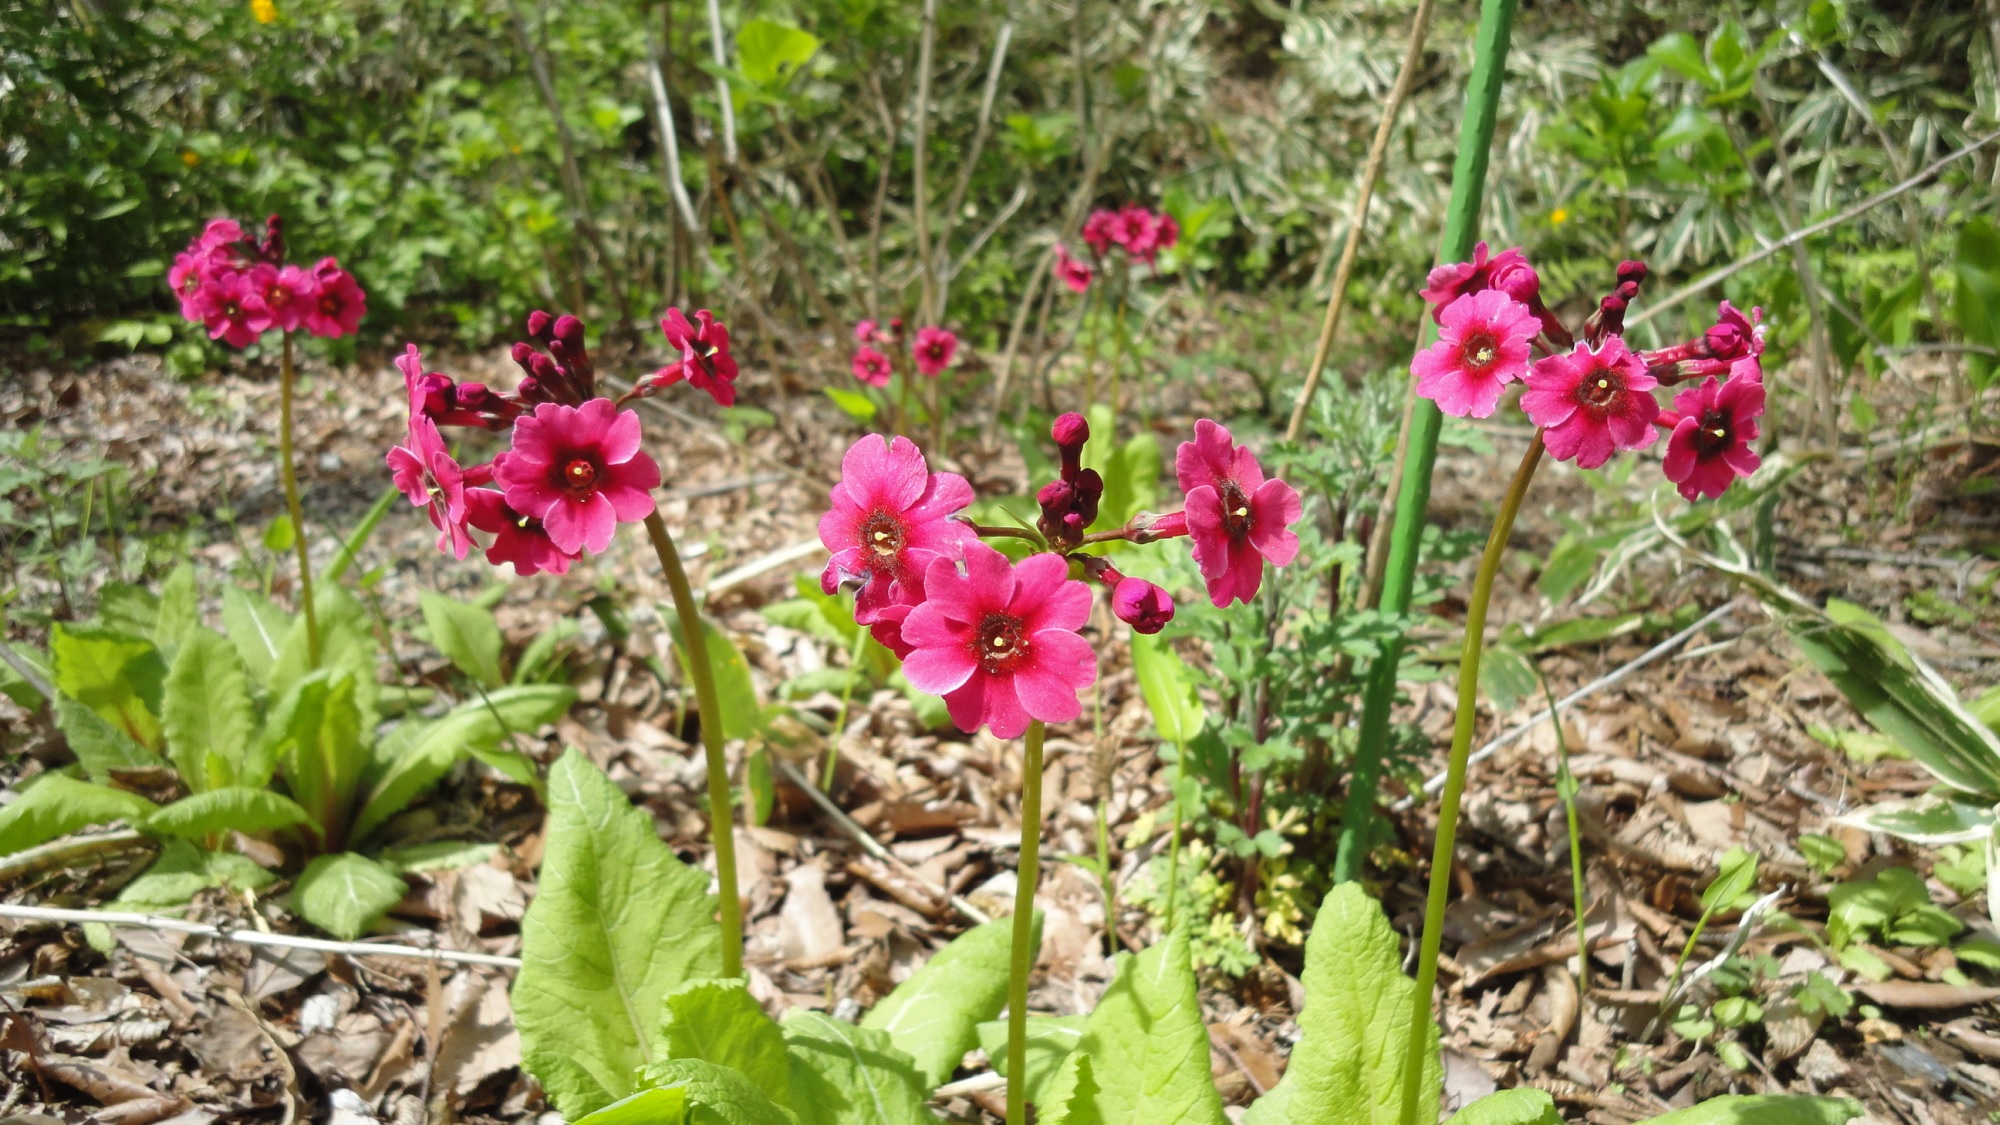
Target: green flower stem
840	716
1419	453
1566	789
1454	781
721	820
286	474
1174	842
1023	958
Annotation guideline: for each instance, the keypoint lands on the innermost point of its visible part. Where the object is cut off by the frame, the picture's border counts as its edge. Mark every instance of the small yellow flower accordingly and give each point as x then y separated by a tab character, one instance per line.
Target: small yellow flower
1559	216
190	157
265	11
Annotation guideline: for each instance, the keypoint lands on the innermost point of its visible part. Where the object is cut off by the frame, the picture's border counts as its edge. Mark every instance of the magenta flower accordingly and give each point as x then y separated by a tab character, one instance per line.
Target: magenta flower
231	309
518	539
431	480
933	349
1710	444
1482	347
705	361
218	234
286	293
340	304
1073	273
864	332
1099	231
871	367
1507	271
1166	231
999	642
1592	403
579	470
890	519
1133	229
1142	605
1236	517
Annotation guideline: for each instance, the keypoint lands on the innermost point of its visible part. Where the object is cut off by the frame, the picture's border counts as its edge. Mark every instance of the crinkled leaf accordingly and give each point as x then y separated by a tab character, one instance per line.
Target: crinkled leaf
256	627
466	634
714	1095
848	1075
206	713
125	608
117	675
1147	1045
1050	1041
718	1021
58	805
616	925
1347	1068
323	753
1764	1109
411	761
178	613
236	807
1079	1106
99	747
342	894
1522	1106
934	1016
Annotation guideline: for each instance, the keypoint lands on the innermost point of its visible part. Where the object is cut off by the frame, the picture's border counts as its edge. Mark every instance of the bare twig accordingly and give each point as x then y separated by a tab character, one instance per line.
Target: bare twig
253	937
873	846
69	852
725	103
927	310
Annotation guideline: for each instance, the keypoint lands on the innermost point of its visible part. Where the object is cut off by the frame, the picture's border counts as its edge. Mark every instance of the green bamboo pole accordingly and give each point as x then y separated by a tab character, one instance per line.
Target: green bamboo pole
1468	188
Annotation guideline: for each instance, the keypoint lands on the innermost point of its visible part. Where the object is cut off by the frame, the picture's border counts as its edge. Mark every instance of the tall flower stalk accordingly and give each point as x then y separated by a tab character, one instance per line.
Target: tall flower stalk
288	474
1021	957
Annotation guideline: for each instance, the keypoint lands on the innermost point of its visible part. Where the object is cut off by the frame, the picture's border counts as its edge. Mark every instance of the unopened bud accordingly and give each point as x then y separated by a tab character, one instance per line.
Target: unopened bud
1151	527
1089	490
435	392
1142	605
1634	272
538	326
569	330
1070	432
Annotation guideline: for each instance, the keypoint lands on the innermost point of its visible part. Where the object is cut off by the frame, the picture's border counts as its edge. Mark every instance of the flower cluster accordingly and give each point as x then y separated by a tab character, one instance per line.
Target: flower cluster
931	351
239	287
573	470
1140	232
1593	396
1000	641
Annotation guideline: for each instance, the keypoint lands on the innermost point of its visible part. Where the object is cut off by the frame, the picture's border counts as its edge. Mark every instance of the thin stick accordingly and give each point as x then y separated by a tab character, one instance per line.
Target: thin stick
724	101
670	146
1023	955
927	310
288	475
1566	789
69	851
722	822
840	716
1420	27
873	846
253	937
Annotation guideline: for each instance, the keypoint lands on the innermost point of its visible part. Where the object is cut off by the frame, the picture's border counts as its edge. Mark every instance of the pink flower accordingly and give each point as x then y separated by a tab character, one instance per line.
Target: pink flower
1482	347
1074	273
518	539
340	304
579	470
890	519
1735	336
1710	444
871	367
866	331
1142	605
1166	231
1592	403
231	309
999	642
218	234
1508	272
1236	517
286	293
1098	231
433	481
933	349
705	361
1133	229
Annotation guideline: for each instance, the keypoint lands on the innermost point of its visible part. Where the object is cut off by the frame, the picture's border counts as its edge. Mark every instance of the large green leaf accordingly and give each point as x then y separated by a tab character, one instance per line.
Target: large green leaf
99	747
117	675
1976	297
714	1095
58	805
342	894
742	712
848	1075
466	634
1347	1068
718	1021
1147	1045
616	925
769	53
206	712
1051	1040
934	1016
1523	1106
323	754
183	871
1765	1109
660	1105
220	810
1169	688
178	611
256	627
1079	1100
346	647
418	754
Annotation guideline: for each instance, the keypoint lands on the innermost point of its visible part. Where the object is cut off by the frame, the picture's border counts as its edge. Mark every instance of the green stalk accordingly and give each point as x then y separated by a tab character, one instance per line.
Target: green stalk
721	819
840	716
1174	842
290	479
1468	186
1566	788
1022	958
1454	781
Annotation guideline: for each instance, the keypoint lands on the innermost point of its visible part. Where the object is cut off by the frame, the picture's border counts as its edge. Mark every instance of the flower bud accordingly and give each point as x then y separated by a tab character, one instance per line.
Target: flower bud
1070	432
539	323
1516	278
1151	527
1089	490
524	354
1142	605
1056	497
1634	272
475	396
435	392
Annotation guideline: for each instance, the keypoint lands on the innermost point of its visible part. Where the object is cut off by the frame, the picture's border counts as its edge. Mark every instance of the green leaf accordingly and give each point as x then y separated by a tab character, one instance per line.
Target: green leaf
742	712
177	613
856	405
1522	1106
1051	1039
438	855
99	747
246	810
1079	1105
769	53
467	636
1131	481
715	1095
323	755
1764	1109
206	712
1976	297
114	674
1147	1045
184	871
616	925
280	535
661	1105
1169	688
718	1021
1348	1064
1823	853
342	894
1929	821
256	627
1737	874
848	1075
58	805
408	764
125	608
934	1016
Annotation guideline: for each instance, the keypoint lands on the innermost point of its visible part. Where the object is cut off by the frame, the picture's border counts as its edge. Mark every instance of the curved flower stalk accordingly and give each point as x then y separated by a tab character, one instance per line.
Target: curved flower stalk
238	288
1590	398
573	472
1002	642
1138	232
